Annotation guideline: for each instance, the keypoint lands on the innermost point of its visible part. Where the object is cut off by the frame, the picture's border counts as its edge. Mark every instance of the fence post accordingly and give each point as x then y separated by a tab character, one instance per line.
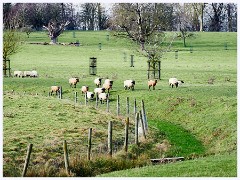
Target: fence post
136	128
76	97
135	107
110	138
142	125
27	160
126	135
144	117
60	92
85	98
107	105
127	106
89	143
118	105
66	160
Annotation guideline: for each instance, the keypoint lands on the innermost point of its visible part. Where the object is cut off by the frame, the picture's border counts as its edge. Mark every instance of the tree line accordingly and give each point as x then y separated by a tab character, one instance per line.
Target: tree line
123	16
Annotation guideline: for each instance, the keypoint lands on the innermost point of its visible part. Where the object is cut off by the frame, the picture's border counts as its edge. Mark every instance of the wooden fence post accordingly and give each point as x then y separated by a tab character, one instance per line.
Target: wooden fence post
118	105
85	98
110	147
144	117
27	160
126	135
135	107
76	97
89	143
142	125
107	105
127	106
66	160
136	128
60	92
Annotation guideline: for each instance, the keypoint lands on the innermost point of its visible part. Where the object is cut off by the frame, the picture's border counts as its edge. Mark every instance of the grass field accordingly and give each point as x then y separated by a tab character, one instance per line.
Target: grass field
198	119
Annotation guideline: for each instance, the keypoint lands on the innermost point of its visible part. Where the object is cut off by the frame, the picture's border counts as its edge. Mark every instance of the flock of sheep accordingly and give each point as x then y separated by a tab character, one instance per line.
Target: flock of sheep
25	74
102	90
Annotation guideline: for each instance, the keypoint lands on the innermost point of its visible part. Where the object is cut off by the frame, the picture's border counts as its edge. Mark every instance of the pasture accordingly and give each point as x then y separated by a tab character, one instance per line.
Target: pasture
199	119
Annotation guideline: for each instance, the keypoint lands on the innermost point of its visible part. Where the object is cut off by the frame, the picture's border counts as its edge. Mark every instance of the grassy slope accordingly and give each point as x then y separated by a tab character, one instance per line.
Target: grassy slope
197	111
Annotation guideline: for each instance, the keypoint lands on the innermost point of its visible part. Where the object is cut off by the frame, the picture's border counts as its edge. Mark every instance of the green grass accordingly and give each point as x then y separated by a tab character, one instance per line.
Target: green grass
198	119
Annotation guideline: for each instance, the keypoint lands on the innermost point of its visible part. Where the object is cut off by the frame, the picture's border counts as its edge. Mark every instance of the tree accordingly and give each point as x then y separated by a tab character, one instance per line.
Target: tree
11	44
138	20
55	29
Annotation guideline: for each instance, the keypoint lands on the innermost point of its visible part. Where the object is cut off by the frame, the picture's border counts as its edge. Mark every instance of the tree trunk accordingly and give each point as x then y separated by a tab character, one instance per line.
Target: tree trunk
53	40
4	67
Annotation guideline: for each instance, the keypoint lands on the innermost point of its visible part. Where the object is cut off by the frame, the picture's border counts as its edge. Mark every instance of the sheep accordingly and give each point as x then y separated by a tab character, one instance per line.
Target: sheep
90	95
73	81
18	74
33	74
97	91
107	86
98	82
27	73
55	89
152	83
84	89
129	84
175	82
103	97
108	81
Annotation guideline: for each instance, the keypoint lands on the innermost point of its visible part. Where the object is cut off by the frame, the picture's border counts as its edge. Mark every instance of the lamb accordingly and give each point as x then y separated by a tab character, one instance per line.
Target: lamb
152	83
55	89
18	74
98	82
103	97
97	91
129	84
108	81
84	89
73	81
175	82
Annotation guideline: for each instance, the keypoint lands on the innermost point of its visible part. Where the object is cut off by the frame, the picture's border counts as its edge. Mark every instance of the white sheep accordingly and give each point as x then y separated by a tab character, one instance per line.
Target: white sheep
108	81
99	90
129	84
27	73
175	82
152	83
55	89
98	82
90	95
103	97
73	81
84	89
33	74
18	74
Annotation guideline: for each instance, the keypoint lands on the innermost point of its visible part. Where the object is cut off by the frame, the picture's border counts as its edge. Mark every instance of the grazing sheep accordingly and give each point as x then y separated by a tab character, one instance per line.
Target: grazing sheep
27	73
98	82
129	84
84	89
175	82
18	74
107	86
55	89
108	81
90	95
97	91
34	74
73	81
103	97
152	83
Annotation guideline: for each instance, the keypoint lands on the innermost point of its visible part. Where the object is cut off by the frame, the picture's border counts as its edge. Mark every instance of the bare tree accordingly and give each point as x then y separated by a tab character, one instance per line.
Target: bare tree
55	29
